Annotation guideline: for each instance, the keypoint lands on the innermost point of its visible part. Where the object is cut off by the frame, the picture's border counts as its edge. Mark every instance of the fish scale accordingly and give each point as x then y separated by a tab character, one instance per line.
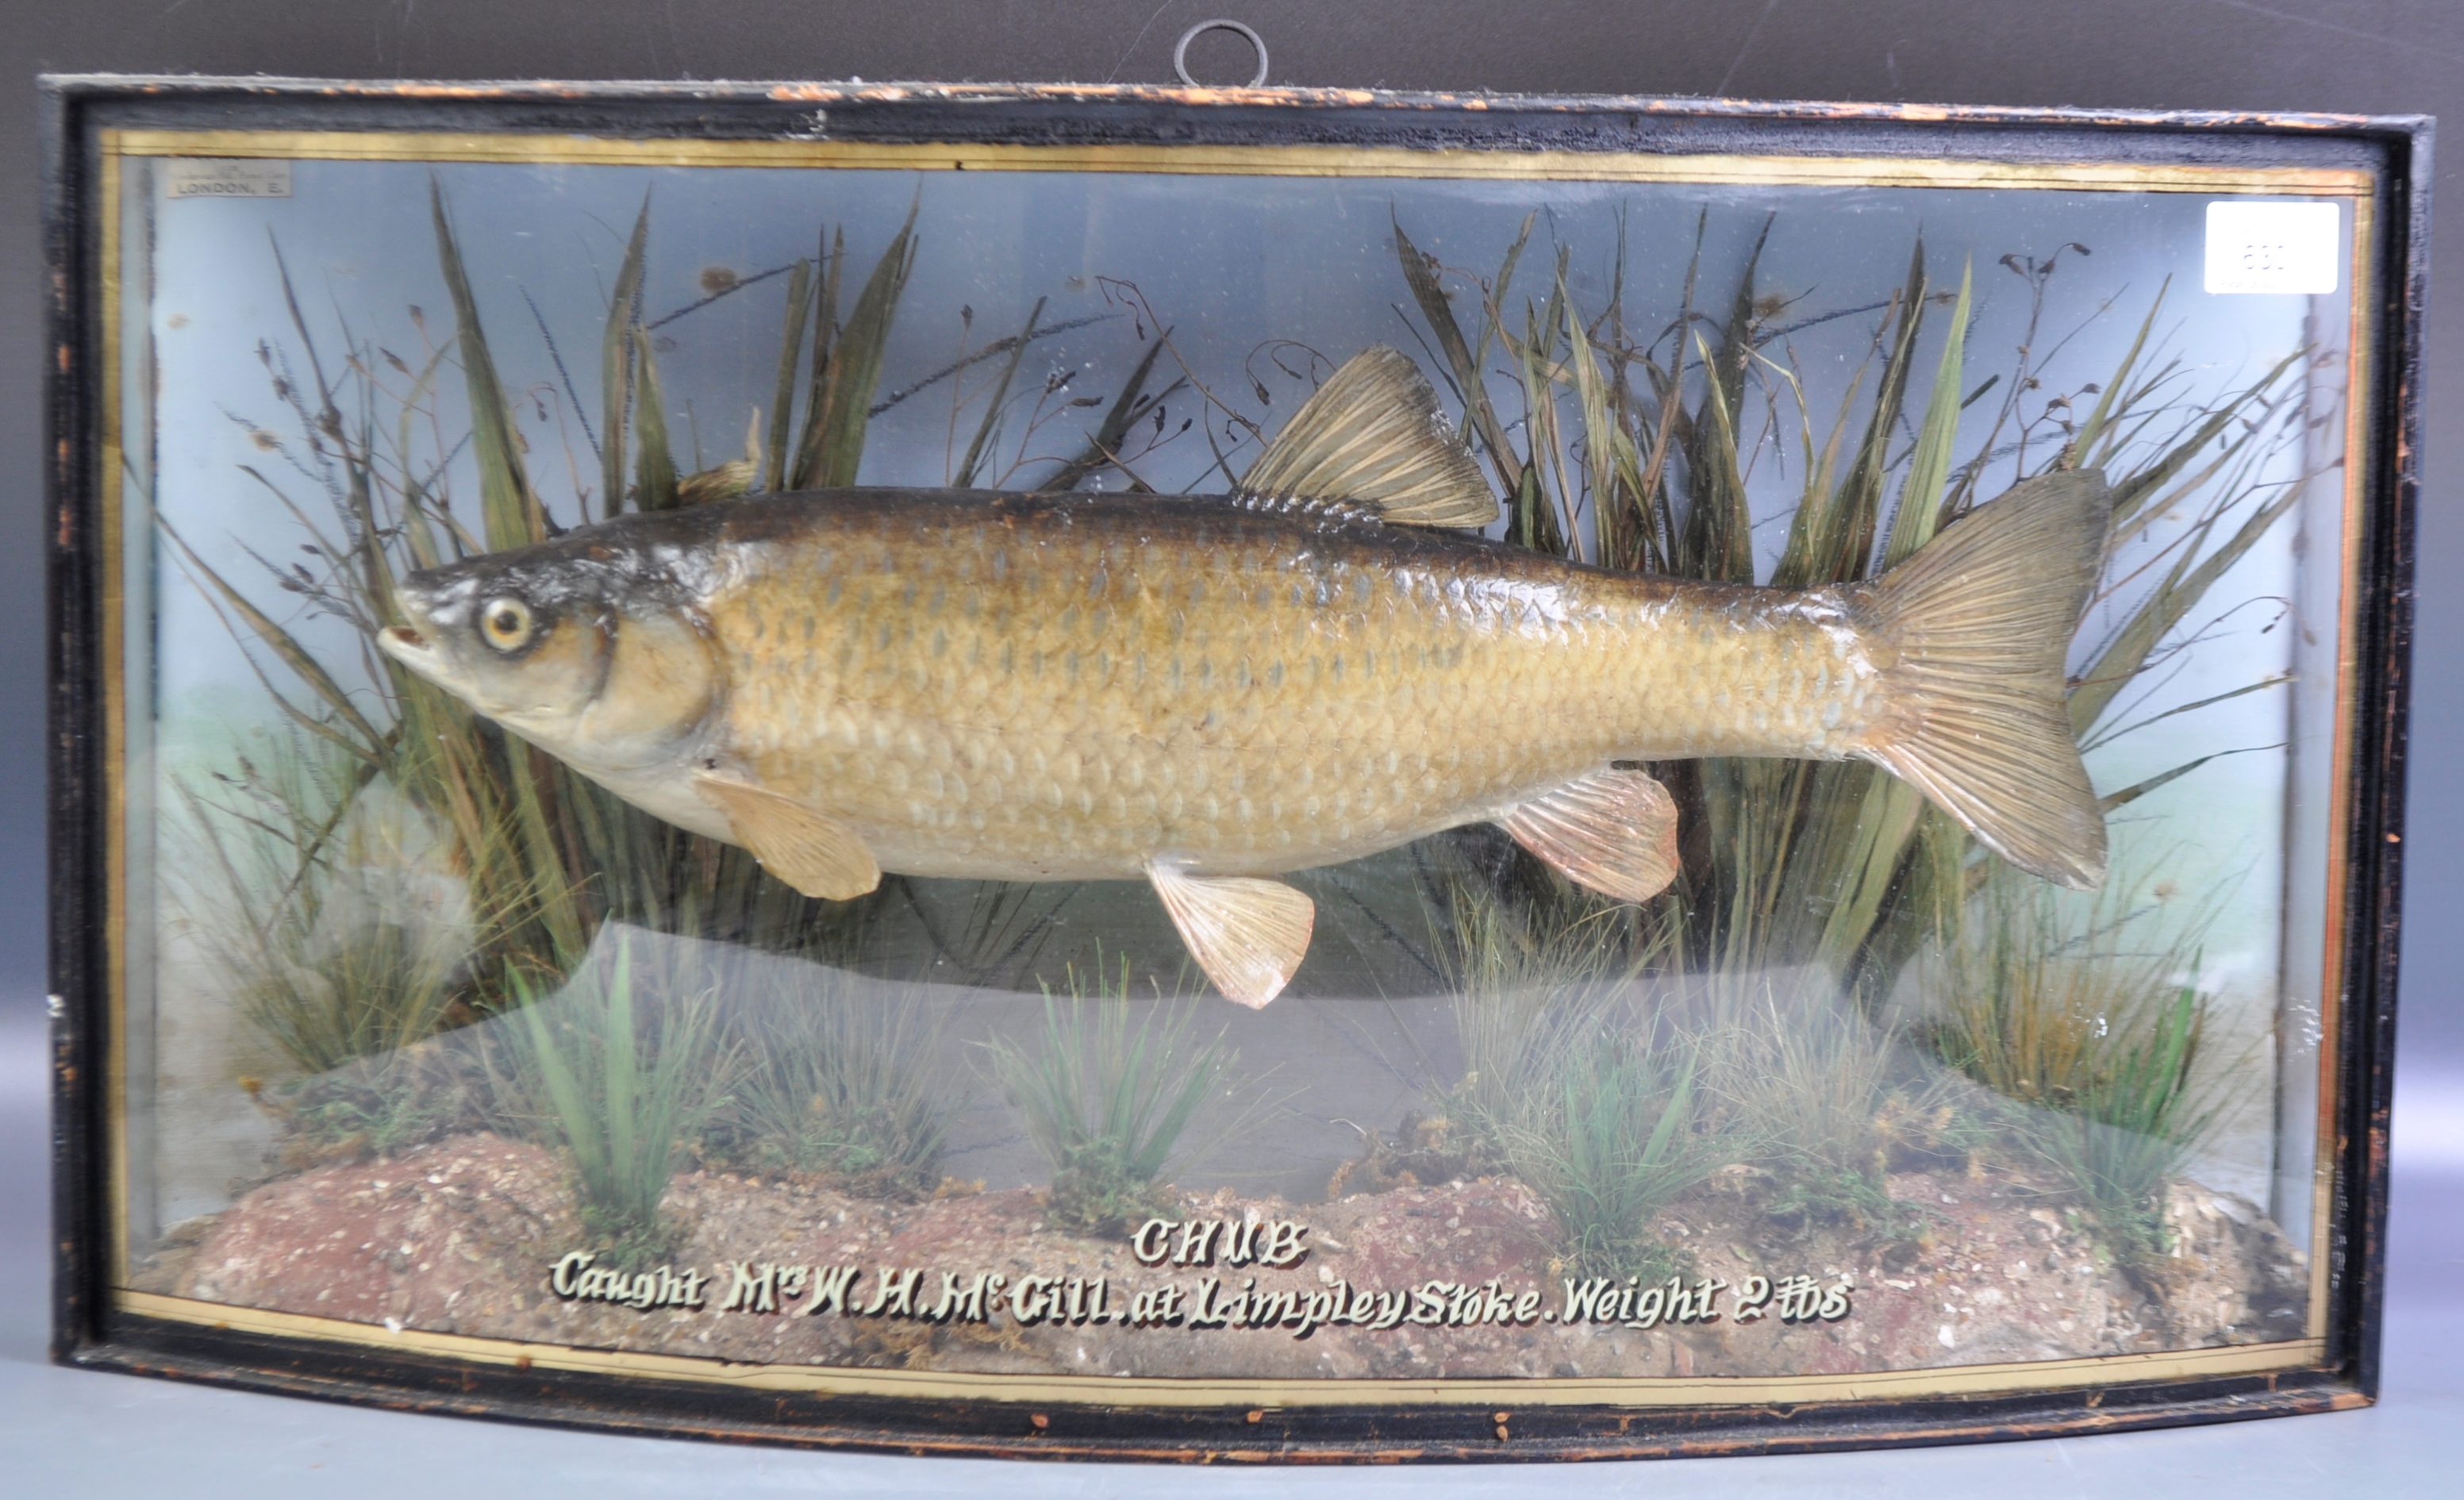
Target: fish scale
1136	676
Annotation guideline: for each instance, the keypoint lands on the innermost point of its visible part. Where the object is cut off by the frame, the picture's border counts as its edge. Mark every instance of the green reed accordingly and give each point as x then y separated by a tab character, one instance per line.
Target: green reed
839	1082
1583	1077
1107	1099
621	1088
2079	1006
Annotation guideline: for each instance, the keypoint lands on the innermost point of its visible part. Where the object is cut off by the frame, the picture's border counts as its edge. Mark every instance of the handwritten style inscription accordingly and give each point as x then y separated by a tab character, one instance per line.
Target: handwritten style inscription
576	1278
1224	1301
1268	1242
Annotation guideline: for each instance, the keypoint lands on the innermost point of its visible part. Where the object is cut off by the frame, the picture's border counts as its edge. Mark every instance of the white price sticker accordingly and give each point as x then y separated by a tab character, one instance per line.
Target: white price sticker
2272	247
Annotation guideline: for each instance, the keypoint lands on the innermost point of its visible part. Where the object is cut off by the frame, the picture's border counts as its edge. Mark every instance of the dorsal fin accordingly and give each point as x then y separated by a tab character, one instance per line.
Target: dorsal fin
1373	436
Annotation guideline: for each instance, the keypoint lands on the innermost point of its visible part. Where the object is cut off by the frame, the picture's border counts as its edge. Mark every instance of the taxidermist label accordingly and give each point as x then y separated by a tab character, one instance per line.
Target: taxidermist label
2272	247
205	177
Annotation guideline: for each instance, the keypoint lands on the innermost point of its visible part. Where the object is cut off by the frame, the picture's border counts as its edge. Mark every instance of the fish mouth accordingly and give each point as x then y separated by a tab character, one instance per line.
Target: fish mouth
405	642
409	647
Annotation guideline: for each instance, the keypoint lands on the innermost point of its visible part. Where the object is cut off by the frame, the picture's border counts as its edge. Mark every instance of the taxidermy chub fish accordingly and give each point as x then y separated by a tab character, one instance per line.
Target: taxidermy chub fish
1209	692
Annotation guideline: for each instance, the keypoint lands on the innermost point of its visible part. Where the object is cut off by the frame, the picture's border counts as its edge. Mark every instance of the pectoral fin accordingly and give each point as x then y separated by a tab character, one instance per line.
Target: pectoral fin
1612	831
1248	935
799	844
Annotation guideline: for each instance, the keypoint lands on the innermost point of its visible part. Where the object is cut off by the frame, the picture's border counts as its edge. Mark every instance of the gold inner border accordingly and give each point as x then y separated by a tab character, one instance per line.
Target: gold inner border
114	606
1272	161
1240	160
2329	1143
1114	1390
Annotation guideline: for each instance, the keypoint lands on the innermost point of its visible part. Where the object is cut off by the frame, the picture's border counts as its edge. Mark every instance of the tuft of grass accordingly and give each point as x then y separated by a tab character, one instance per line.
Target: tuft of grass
2137	1126
2080	1008
1576	1084
1529	987
839	1084
344	960
1107	1099
2044	995
621	1092
378	1106
1619	1136
1818	1084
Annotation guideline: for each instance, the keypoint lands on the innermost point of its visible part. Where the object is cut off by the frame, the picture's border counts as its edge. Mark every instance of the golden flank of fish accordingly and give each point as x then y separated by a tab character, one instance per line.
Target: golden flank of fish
1211	692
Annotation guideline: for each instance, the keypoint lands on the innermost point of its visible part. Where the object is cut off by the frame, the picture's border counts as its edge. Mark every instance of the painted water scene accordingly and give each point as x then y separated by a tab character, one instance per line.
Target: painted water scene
1317	777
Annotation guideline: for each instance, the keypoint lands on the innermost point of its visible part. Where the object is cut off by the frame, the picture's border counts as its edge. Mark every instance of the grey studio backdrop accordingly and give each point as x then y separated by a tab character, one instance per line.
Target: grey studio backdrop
67	1432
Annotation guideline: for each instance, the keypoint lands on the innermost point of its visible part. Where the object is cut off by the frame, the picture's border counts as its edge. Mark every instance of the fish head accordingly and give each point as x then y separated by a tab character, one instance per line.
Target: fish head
597	655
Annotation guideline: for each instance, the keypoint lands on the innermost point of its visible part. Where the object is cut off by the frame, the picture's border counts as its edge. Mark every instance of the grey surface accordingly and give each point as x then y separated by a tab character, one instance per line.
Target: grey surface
74	1433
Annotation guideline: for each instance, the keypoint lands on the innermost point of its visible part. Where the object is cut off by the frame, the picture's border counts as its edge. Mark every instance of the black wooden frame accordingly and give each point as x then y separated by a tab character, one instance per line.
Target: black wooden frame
89	1331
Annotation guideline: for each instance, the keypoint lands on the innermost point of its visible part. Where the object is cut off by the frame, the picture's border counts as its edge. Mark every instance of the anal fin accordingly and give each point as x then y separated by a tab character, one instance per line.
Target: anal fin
1612	831
796	841
1247	933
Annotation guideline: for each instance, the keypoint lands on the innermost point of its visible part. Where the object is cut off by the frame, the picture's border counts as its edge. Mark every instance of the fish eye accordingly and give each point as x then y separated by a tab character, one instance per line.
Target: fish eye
507	623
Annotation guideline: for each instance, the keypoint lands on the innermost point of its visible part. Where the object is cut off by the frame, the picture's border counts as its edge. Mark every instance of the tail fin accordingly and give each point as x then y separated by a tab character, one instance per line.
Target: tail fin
1981	621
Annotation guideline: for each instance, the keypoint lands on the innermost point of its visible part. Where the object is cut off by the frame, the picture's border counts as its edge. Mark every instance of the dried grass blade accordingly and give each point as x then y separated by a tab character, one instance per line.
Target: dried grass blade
2084	442
417	534
1887	816
1127	408
2133	490
2145	514
2138	789
791	344
817	374
280	641
991	424
616	361
654	482
2120	660
1846	547
1599	438
1921	491
1719	532
509	511
855	366
2272	680
1421	274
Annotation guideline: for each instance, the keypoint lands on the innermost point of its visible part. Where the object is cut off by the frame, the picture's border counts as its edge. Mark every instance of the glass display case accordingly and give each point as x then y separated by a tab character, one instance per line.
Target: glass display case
1176	773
